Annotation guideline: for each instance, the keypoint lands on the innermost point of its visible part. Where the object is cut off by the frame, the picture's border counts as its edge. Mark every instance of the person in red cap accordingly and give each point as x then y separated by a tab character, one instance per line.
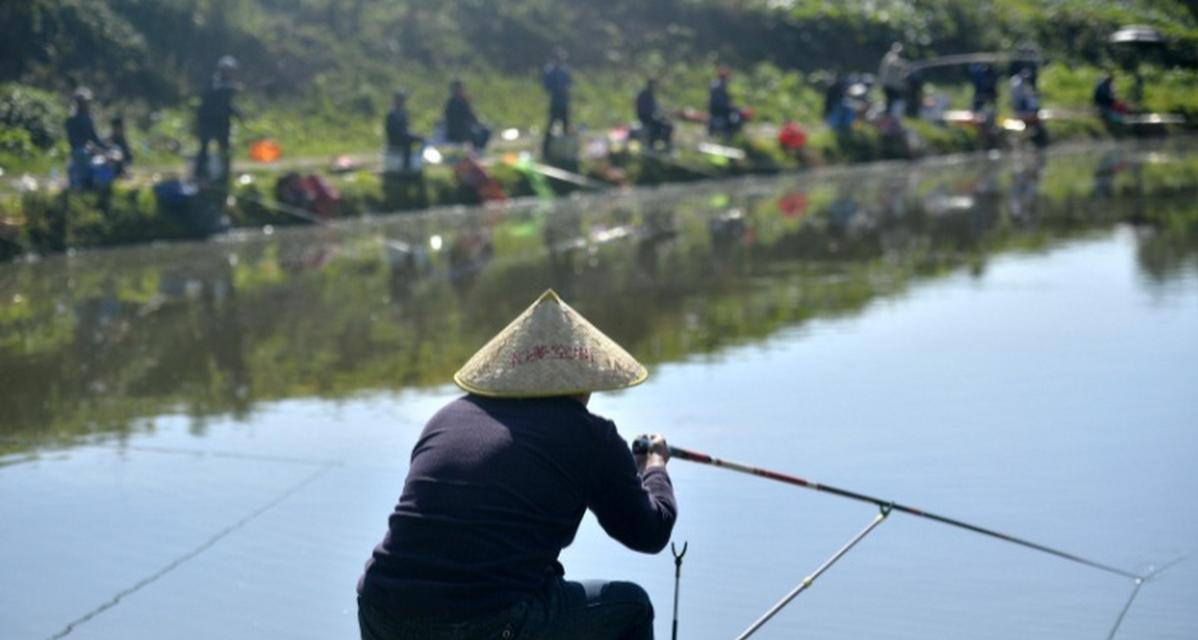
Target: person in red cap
498	484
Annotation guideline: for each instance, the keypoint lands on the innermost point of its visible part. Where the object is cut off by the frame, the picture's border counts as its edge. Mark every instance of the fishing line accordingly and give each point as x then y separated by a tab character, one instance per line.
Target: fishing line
233	455
174	564
1134	592
199	453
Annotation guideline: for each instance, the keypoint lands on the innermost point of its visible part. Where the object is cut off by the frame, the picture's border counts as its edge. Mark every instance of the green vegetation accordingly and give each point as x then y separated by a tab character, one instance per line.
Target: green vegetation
318	73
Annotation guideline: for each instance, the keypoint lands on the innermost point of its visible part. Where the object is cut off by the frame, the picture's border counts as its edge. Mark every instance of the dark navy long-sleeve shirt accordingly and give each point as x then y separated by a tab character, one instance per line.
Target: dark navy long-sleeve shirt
496	489
646	106
557	82
459	119
81	131
719	103
397	128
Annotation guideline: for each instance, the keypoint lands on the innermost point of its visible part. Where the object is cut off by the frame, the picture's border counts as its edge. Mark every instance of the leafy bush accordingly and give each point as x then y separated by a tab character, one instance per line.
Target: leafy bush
37	113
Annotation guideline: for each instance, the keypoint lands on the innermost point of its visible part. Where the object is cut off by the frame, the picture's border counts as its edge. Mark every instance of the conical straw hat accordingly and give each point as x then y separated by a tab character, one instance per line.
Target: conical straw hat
549	350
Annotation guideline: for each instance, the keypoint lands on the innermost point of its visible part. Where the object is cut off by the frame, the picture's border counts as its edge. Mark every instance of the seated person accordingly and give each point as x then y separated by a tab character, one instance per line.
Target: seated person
461	125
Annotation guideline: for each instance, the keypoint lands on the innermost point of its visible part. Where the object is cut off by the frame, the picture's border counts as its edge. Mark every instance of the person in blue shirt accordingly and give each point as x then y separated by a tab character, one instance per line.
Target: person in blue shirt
497	485
557	81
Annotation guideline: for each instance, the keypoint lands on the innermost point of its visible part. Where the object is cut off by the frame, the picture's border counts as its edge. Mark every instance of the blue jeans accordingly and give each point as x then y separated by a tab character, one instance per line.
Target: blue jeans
564	610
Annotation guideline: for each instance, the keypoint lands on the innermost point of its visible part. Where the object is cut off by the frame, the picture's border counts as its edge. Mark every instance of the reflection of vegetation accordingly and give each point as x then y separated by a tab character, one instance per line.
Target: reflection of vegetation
93	343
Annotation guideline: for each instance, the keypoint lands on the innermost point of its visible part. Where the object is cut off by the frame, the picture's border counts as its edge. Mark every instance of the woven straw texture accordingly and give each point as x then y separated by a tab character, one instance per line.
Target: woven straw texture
549	350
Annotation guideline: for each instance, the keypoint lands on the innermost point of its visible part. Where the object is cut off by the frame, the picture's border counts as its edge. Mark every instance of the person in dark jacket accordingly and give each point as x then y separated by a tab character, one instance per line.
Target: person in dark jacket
214	121
723	118
837	113
461	125
83	140
497	485
985	85
400	139
1104	98
557	81
118	141
657	127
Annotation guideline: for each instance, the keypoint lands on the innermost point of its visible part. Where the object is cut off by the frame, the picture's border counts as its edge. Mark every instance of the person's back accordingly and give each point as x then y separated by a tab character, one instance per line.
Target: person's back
459	119
214	118
496	489
719	102
556	80
498	483
216	107
646	106
397	127
892	72
557	83
1104	94
81	131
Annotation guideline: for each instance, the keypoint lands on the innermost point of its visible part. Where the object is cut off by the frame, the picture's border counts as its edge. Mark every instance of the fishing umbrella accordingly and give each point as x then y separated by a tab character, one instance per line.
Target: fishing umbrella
1137	35
1135	44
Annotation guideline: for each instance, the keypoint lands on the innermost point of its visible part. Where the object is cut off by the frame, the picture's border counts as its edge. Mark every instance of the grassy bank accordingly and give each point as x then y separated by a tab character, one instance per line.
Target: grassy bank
47	221
318	75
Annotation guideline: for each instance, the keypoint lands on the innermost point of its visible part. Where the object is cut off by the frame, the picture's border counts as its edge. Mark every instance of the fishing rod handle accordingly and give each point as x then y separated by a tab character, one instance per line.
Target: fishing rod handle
640	447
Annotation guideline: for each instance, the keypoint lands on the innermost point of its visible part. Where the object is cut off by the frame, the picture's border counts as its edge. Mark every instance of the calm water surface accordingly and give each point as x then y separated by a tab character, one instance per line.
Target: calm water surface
201	441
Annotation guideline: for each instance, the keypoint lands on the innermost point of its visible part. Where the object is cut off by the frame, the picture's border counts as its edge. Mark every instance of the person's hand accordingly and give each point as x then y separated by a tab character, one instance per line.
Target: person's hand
655	454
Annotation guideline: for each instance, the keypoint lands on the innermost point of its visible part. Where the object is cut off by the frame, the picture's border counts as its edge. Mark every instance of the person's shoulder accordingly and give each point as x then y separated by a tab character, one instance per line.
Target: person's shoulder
599	424
456	407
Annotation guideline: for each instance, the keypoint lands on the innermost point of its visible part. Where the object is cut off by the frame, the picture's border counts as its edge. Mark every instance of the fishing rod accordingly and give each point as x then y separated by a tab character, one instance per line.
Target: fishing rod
641	446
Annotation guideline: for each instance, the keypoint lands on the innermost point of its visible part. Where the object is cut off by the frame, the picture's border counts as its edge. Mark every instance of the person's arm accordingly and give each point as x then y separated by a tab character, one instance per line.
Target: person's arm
636	507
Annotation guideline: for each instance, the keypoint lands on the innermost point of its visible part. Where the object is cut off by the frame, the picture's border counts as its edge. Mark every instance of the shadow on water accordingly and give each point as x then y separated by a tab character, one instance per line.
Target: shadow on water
102	342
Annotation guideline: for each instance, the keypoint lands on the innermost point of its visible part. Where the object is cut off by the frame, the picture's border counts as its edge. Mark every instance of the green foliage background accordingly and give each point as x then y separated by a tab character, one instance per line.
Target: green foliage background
326	67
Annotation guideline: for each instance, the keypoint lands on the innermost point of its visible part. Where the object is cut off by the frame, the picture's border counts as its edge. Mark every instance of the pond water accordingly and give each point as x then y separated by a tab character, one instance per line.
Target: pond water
204	440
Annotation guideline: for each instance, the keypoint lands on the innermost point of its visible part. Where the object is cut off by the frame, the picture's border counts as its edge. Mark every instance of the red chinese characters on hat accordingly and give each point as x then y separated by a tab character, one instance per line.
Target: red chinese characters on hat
552	352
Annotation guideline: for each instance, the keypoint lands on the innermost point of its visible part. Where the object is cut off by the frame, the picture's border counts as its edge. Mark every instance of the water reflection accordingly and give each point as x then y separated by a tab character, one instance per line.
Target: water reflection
96	342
